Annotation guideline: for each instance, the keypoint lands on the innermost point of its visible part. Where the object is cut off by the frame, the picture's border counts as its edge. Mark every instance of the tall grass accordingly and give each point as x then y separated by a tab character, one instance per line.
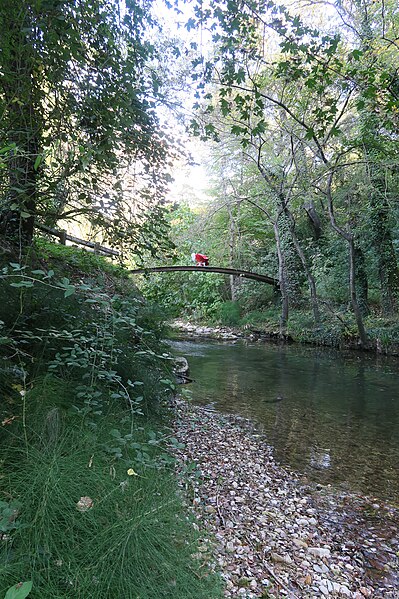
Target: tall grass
131	540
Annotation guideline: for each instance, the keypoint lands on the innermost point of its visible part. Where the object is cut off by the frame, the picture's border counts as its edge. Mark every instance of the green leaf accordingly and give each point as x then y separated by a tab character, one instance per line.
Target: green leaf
335	132
191	24
22	284
19	590
260	128
38	160
311	82
237	130
357	54
6	149
309	133
240	75
69	291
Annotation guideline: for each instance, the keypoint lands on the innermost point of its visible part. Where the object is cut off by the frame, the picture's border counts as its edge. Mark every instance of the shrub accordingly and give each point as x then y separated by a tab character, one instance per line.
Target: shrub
91	504
228	313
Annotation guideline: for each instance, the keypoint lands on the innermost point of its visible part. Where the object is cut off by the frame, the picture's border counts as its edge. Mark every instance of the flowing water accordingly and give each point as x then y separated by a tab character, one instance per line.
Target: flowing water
331	415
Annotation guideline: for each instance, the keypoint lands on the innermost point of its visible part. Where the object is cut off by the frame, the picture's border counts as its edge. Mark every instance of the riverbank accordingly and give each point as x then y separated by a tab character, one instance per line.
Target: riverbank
269	532
194	330
383	338
224	333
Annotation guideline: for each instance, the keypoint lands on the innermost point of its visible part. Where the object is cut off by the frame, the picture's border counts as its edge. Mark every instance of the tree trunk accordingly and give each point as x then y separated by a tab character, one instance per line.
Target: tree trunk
388	271
291	263
314	219
18	218
232	242
349	238
282	280
353	294
309	276
22	123
361	280
381	230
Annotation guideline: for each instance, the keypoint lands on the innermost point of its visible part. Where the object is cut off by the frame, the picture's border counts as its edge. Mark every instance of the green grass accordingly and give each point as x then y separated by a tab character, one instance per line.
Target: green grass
228	314
77	258
135	541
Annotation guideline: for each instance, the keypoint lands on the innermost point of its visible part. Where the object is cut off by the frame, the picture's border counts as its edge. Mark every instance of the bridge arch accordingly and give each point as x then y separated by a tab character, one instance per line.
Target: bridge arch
246	274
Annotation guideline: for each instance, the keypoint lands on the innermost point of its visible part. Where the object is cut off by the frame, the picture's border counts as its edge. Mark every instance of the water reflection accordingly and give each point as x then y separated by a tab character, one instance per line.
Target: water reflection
331	415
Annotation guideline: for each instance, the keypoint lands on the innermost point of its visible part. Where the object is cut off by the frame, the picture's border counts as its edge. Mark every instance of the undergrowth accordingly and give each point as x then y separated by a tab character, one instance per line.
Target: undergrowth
94	516
89	502
337	326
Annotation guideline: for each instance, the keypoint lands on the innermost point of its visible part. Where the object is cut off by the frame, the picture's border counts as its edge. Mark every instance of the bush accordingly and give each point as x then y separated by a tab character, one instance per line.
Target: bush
195	295
91	503
228	314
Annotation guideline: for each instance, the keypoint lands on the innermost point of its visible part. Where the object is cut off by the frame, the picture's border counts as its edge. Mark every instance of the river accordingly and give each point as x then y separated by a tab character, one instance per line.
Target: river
331	415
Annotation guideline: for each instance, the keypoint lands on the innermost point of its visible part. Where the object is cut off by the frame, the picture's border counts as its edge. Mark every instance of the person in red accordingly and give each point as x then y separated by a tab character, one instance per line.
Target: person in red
200	259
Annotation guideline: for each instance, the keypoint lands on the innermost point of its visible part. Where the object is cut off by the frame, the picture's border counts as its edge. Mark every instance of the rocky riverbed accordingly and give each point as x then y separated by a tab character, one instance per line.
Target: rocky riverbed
193	330
189	330
267	531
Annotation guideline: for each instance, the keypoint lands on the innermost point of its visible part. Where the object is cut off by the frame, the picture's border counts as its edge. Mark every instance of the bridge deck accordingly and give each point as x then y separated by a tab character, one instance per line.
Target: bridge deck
226	271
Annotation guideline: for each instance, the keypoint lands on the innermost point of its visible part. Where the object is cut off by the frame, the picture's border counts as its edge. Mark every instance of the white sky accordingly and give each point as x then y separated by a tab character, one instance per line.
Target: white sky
191	182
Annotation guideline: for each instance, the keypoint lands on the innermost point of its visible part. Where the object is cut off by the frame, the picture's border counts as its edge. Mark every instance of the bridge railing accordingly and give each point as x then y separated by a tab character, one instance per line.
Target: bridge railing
63	236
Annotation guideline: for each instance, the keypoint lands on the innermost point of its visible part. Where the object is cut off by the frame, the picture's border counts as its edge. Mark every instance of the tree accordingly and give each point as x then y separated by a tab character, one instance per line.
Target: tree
78	116
378	99
324	81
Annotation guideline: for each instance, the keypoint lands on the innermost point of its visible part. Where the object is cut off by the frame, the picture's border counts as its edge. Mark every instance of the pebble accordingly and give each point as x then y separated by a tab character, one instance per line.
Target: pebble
319	551
243	493
300	543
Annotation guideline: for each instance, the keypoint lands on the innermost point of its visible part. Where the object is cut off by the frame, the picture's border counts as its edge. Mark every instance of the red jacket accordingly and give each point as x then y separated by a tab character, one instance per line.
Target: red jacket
202	259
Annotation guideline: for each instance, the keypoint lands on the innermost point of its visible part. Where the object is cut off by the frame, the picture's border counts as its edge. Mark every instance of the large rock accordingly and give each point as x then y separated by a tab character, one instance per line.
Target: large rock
181	370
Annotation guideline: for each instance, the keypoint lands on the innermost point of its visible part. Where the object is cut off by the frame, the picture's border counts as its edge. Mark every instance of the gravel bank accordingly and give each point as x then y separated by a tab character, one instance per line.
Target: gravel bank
268	533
